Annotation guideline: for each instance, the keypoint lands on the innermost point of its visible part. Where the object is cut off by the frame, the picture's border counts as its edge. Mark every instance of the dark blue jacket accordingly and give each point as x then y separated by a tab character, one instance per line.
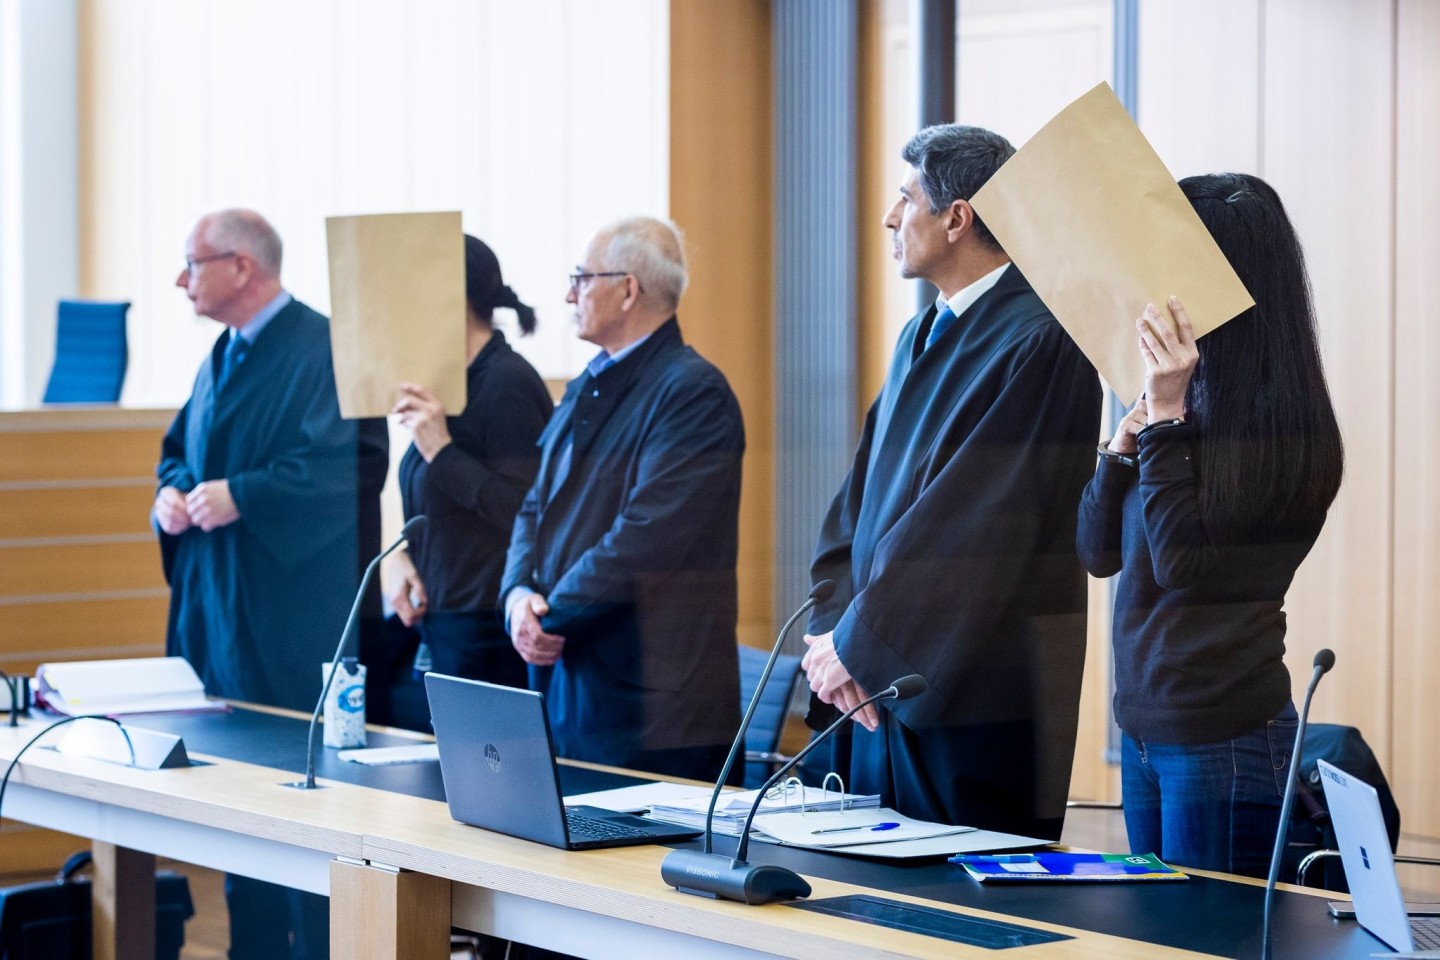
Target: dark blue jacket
258	606
635	551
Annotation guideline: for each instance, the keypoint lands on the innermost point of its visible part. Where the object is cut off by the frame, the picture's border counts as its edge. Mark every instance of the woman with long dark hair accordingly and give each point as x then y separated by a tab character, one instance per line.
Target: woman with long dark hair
1208	498
468	474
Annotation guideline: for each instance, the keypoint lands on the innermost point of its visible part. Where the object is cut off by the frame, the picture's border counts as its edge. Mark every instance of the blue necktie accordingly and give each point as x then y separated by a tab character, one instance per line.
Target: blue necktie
234	353
943	320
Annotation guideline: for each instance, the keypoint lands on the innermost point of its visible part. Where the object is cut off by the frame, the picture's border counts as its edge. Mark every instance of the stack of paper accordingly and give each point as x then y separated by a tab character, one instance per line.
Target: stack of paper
385	756
637	799
117	687
733	808
850	828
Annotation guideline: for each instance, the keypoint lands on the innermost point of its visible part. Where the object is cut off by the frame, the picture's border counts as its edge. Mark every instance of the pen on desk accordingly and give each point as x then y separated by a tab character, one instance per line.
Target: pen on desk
863	826
994	858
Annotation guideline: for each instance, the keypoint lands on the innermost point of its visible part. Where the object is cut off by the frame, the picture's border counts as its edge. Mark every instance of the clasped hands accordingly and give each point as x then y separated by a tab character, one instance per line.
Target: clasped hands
209	506
1170	356
534	645
832	683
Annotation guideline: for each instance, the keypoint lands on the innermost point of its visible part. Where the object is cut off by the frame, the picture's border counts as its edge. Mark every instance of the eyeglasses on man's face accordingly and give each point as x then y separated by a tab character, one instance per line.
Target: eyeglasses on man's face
192	262
578	280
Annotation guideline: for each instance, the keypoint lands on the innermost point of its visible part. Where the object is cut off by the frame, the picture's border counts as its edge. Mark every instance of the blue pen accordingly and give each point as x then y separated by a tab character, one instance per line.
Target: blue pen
997	858
878	826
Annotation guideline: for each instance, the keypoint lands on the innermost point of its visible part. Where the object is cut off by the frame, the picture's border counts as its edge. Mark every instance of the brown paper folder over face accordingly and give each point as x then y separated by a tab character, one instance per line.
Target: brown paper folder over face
1098	226
397	302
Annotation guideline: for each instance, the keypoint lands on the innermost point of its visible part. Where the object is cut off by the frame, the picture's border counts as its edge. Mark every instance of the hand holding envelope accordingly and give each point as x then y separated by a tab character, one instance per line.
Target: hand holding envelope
422	413
1170	356
397	305
1090	215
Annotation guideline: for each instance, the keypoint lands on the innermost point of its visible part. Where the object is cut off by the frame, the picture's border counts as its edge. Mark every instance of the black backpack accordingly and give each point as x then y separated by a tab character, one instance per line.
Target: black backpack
50	920
1310	826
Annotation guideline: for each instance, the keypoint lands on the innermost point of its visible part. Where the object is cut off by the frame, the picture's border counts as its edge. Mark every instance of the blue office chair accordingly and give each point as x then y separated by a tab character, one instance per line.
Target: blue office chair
90	352
762	740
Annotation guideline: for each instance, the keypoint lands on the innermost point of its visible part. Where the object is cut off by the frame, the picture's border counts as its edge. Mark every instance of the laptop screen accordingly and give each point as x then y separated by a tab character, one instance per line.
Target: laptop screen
1365	851
497	758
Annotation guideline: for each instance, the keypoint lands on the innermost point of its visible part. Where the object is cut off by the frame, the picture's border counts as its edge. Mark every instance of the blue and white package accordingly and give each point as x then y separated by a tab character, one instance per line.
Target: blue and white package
345	704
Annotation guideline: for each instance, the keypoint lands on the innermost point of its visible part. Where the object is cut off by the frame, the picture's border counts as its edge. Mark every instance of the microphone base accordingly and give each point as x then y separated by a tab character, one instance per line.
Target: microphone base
303	785
721	878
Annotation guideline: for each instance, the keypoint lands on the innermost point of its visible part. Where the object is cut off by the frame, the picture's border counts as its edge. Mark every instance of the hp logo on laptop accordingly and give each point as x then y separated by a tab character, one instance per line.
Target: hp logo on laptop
492	757
1365	857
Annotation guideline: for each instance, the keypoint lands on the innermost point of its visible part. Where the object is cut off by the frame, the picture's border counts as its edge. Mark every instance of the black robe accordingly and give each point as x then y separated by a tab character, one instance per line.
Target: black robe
257	606
952	546
636	552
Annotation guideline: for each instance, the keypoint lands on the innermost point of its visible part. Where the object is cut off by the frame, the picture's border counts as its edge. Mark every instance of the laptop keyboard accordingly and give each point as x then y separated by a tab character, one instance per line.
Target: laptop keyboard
583	828
1426	932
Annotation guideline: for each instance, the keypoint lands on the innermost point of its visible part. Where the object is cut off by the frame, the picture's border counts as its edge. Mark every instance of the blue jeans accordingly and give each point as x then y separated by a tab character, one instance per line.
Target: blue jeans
1214	806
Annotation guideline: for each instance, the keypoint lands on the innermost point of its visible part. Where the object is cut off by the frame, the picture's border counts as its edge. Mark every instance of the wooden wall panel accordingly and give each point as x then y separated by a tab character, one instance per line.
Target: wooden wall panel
32	633
887	119
1416	677
80	569
80	573
76	485
1328	148
720	172
46	511
39	455
1201	114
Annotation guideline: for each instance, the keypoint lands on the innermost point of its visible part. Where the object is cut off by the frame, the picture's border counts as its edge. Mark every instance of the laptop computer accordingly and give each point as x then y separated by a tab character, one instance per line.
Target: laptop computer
1369	866
498	763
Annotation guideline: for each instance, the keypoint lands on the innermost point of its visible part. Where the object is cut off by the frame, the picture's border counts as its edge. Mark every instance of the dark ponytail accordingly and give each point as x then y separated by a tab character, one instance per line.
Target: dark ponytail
523	311
485	288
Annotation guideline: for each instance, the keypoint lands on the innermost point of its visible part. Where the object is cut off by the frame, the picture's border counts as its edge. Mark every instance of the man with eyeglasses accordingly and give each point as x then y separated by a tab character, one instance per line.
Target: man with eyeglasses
259	516
619	588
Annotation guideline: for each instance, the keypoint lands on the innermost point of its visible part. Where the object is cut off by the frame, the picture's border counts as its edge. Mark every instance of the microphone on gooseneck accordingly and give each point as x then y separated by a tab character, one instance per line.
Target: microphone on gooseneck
713	875
1324	660
819	593
413	528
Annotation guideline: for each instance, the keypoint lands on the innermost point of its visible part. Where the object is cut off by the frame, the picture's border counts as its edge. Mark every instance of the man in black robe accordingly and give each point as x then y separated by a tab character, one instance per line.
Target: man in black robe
619	586
952	541
258	515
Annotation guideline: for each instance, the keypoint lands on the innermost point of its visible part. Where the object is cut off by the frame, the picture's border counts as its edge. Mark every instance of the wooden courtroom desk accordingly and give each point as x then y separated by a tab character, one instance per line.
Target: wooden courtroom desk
80	575
399	871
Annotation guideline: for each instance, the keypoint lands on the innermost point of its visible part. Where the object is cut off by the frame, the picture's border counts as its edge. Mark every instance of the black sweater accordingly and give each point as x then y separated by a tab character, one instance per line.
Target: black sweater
473	489
1199	633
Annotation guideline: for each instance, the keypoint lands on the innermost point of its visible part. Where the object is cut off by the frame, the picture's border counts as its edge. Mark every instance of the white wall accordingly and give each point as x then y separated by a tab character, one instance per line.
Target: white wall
37	188
537	119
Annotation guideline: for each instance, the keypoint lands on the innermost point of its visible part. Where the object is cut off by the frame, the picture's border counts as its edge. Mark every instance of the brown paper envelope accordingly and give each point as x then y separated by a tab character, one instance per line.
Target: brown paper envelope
397	302
1098	226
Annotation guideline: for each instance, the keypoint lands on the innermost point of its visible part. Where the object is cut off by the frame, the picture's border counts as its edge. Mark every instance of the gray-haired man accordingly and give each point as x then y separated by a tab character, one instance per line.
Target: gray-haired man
259	507
619	586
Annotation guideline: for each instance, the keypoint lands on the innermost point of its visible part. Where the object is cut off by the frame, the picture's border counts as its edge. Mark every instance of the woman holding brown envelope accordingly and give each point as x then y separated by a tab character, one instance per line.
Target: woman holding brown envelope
469	474
1213	490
